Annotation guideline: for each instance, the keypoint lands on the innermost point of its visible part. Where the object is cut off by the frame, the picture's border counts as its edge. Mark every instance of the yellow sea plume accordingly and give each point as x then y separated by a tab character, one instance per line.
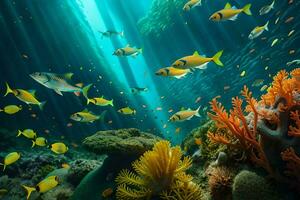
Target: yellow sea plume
160	172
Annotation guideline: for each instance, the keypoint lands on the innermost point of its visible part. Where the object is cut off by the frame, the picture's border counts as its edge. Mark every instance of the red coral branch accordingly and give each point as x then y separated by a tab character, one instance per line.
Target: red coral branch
293	162
295	130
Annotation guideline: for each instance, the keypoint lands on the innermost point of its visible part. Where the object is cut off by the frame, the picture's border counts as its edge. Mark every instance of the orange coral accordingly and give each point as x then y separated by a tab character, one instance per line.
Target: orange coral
295	130
293	162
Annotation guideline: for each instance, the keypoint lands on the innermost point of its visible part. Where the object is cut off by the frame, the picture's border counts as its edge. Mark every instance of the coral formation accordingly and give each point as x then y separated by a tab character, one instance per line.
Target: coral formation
250	186
269	127
123	141
158	172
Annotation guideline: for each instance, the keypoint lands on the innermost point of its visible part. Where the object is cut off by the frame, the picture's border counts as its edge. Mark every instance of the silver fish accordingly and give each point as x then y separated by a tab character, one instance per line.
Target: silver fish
266	9
58	82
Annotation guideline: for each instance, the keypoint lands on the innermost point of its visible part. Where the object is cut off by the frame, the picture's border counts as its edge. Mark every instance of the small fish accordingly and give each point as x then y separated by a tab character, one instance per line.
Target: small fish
294	62
165	126
266	9
10	159
291	33
59	82
100	101
170	110
258	82
257	31
128	51
192	4
39	141
177	130
74	145
289	20
107	192
292	51
87	116
138	90
25	56
243	73
263	88
11	109
47	131
274	42
267	67
69	124
110	33
28	133
226	87
197	61
198	99
65	166
43	186
33	115
277	20
25	96
198	141
159	108
58	148
230	13
185	115
172	72
127	111
252	50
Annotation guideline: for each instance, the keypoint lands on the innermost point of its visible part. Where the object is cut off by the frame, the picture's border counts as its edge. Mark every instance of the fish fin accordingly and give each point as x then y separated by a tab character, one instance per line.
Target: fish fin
85	90
197	112
88	101
198	4
42	104
68	76
101	117
33	143
111	103
140	50
246	9
85	110
203	66
227	6
4	166
266	26
233	18
234	8
8	90
216	58
29	190
58	92
134	112
79	85
196	53
122	33
19	133
272	4
1	110
32	92
180	76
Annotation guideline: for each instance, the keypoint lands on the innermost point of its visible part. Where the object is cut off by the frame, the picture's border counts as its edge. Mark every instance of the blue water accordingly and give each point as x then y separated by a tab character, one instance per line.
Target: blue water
63	36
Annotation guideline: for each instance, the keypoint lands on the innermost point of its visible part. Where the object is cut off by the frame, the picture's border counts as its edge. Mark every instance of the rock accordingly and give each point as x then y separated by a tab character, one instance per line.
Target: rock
120	142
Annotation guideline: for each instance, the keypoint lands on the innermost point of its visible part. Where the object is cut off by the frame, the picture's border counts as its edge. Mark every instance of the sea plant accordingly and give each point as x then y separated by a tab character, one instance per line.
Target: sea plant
159	172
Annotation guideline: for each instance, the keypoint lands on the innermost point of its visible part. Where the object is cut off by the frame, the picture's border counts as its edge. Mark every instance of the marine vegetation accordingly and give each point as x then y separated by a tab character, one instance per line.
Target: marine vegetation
266	129
159	172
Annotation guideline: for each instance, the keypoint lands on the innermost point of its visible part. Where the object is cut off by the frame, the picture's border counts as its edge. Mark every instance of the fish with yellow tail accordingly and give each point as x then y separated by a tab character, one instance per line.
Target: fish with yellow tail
25	96
87	116
191	4
10	159
44	186
11	109
59	148
230	13
128	51
257	31
197	61
184	115
173	72
98	101
39	141
28	133
59	82
127	111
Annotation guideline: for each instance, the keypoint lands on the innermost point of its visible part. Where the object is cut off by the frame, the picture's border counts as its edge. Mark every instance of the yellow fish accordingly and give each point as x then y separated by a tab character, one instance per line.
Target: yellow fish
100	101
172	72
28	133
191	4
40	141
27	97
128	51
230	13
257	31
184	115
198	141
10	159
197	61
11	109
43	186
127	111
58	148
87	116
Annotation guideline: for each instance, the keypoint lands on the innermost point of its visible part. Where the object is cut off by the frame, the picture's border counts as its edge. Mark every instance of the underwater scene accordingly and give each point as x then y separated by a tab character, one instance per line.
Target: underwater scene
150	99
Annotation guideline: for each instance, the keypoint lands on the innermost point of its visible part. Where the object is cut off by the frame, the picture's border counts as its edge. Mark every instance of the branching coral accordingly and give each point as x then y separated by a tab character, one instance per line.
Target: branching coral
266	128
293	162
158	172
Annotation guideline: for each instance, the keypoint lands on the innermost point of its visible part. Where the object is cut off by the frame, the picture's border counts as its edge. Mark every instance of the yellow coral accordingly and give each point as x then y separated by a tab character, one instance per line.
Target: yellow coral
160	171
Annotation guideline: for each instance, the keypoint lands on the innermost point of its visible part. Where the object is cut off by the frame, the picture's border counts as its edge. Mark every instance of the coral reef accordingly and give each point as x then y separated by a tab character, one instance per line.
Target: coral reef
123	141
159	172
269	127
250	186
160	17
